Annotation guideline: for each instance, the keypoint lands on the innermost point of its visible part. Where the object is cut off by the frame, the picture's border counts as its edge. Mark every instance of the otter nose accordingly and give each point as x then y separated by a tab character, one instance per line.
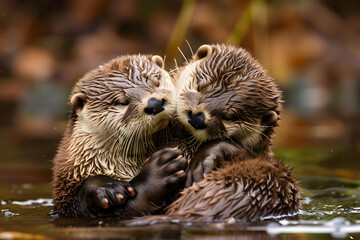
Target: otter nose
154	106
197	120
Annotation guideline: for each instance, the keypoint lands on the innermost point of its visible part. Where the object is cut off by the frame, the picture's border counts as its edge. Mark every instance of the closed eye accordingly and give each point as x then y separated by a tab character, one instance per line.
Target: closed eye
120	102
230	116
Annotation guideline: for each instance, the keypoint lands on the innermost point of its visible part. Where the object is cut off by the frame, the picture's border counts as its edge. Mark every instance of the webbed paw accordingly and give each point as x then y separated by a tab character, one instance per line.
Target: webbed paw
162	176
103	192
168	165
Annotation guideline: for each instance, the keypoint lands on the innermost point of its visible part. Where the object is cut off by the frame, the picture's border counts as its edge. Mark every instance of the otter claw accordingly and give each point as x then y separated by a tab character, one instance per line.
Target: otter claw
120	198
179	172
103	192
131	192
105	203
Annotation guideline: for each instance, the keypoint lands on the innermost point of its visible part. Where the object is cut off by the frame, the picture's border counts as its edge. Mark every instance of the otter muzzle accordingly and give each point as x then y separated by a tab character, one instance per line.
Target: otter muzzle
197	120
155	106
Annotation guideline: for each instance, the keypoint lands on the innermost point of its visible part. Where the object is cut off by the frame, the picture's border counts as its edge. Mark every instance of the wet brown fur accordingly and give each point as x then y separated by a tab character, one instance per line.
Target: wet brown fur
105	138
230	87
249	190
242	105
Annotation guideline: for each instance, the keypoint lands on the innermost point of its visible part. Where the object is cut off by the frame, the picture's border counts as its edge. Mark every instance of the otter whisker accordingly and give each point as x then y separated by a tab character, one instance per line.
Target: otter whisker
163	137
193	140
183	55
114	148
175	123
171	71
141	135
187	42
148	143
255	130
176	64
118	131
258	125
128	140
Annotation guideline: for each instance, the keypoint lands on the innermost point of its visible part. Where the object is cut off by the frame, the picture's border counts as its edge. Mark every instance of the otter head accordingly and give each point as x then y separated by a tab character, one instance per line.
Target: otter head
123	102
224	93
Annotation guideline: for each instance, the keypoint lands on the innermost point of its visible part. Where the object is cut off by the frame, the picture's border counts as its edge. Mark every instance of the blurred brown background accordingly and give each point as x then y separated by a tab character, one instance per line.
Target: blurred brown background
311	48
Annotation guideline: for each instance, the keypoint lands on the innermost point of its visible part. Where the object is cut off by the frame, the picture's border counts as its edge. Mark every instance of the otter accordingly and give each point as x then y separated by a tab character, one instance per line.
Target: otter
107	163
230	106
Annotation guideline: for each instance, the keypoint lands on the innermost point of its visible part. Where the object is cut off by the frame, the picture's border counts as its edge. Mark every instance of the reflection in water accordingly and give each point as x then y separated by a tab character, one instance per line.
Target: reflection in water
41	202
338	227
331	213
331	209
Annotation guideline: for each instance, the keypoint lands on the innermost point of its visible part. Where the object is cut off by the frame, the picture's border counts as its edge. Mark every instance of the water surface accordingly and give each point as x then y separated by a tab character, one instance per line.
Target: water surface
331	209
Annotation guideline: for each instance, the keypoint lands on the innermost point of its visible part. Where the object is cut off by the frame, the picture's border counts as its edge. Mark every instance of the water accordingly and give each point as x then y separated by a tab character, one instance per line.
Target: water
331	206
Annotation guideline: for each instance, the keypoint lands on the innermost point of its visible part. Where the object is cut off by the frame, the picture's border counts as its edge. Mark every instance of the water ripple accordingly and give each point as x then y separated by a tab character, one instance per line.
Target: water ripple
40	201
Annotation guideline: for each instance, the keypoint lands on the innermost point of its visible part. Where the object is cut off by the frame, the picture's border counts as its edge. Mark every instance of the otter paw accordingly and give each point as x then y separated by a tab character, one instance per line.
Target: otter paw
169	165
103	192
198	171
161	177
209	157
165	169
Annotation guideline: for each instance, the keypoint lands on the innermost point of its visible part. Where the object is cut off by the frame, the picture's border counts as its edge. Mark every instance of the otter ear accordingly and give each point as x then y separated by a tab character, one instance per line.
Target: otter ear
158	61
269	118
78	101
203	52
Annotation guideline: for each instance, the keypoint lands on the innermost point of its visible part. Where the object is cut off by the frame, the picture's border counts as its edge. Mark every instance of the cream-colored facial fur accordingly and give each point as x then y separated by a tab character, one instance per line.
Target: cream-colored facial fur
111	133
